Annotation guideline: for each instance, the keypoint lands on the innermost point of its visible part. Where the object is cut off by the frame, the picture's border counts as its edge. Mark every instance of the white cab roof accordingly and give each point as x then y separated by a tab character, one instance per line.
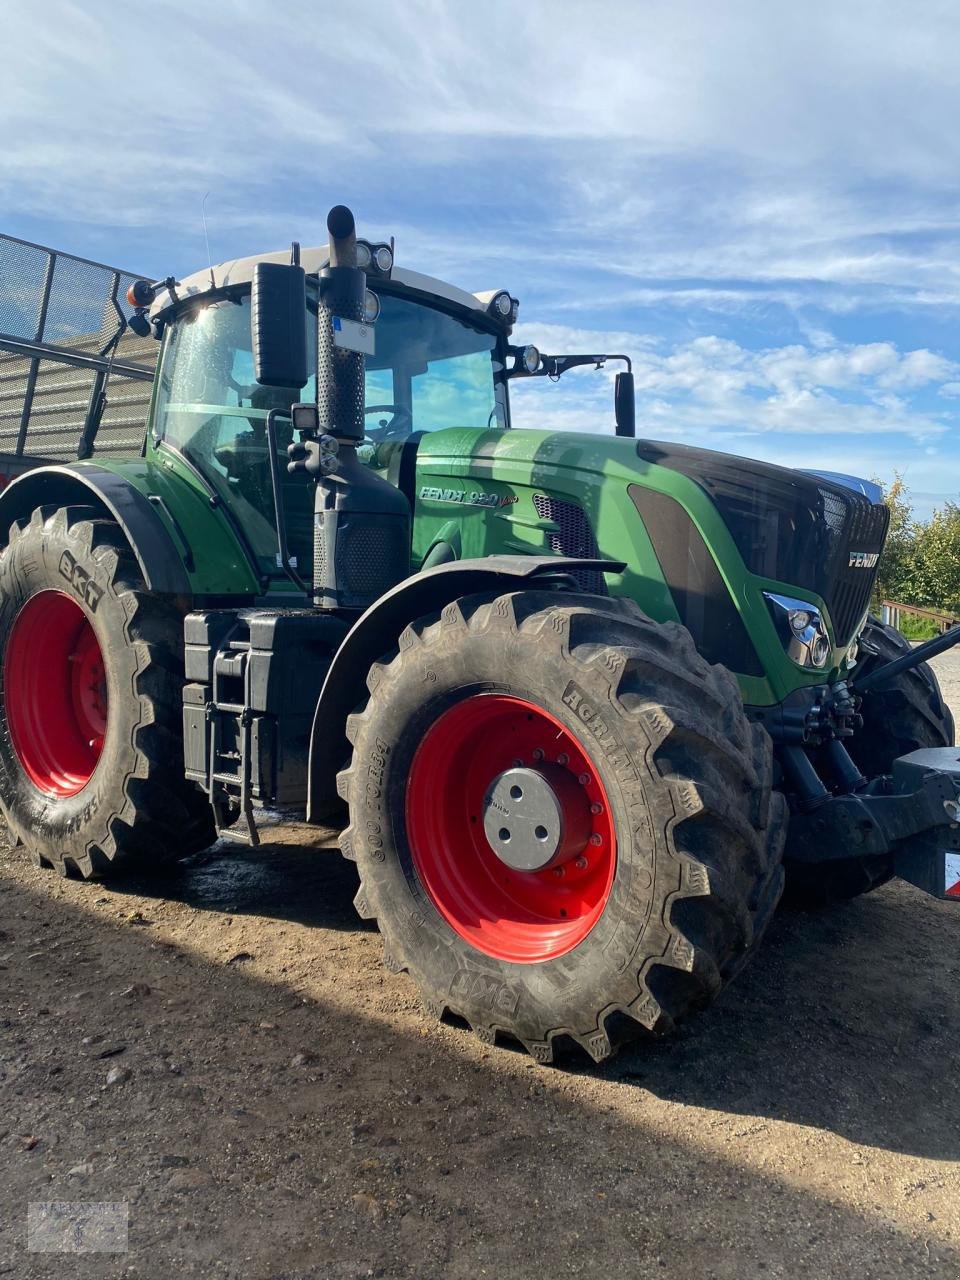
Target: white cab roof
240	271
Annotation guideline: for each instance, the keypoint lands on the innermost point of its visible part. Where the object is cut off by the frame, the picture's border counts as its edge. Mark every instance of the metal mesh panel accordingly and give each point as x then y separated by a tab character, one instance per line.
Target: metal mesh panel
23	269
573	537
61	321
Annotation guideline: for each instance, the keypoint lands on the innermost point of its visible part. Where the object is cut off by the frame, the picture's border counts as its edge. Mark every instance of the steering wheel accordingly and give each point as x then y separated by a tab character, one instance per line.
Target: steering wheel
400	424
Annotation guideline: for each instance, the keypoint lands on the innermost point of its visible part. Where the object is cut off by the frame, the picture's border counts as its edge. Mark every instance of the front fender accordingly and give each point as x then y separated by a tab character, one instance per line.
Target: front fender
379	628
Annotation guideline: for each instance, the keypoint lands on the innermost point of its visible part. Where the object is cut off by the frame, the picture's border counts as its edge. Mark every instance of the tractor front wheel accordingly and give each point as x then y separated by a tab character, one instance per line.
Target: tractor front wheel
562	820
91	673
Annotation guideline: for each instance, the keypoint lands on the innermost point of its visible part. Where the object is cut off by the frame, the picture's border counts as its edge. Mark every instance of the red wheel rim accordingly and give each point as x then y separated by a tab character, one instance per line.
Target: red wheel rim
55	694
521	916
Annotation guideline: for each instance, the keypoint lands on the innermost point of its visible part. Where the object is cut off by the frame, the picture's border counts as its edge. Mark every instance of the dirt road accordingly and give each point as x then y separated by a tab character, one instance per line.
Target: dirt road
225	1052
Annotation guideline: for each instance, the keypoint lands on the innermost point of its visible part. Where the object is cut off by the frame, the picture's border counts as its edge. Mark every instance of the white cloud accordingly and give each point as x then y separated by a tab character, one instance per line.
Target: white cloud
712	386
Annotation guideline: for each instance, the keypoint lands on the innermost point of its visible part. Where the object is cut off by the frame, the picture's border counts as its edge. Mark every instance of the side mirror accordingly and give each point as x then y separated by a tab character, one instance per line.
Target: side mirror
624	404
278	325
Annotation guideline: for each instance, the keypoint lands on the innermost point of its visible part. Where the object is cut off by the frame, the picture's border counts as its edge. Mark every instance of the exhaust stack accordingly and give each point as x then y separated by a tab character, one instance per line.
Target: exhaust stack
361	544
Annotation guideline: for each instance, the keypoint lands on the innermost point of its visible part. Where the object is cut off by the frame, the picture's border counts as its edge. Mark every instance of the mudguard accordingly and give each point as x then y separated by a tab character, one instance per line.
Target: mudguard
377	631
160	560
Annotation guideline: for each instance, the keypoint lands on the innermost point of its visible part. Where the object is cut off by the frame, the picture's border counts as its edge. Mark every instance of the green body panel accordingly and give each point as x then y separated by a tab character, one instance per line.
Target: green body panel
475	497
220	566
594	471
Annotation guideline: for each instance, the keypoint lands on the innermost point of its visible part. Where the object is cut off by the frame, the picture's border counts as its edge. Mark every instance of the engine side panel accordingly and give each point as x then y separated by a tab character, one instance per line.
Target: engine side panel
493	492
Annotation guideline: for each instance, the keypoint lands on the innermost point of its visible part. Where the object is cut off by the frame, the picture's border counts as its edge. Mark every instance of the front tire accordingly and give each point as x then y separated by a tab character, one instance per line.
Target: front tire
648	787
91	677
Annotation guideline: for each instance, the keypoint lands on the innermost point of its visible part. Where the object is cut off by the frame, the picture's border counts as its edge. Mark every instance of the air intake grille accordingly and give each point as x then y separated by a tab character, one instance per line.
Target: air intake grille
849	593
573	537
789	527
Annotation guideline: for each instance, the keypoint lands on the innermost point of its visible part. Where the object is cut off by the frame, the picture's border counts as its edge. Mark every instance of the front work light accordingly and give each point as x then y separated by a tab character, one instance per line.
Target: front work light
801	629
502	304
371	307
364	255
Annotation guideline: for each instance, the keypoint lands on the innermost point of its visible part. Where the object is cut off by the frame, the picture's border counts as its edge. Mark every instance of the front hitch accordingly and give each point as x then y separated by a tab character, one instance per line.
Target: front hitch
914	815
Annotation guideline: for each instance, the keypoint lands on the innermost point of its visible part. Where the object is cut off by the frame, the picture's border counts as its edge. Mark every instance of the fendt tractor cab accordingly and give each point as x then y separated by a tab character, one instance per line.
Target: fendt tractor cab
579	702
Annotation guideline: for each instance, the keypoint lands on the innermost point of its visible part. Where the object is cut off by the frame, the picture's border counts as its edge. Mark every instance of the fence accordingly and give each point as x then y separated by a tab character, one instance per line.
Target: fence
63	332
893	611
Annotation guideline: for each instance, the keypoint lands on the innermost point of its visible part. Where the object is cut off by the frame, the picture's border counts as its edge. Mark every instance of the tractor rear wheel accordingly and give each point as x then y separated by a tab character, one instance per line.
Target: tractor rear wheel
900	716
562	820
91	674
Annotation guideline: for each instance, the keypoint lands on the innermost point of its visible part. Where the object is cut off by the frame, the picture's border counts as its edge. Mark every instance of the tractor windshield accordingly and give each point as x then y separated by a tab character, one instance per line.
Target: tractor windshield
430	371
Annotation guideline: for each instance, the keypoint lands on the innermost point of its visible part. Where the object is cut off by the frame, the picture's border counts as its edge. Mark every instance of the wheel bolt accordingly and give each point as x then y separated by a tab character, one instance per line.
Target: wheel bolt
584	779
558	872
563	758
581	863
596	838
596	807
538	753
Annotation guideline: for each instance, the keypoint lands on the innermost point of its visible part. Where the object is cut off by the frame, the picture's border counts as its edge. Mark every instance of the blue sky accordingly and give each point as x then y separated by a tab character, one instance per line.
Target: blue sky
760	202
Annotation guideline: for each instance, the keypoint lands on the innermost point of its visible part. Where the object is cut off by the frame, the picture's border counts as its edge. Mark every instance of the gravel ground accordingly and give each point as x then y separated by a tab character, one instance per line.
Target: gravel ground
224	1051
947	667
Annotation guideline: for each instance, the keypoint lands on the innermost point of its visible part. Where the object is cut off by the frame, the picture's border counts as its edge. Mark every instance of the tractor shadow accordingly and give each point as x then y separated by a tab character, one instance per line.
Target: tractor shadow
847	1020
296	874
387	1150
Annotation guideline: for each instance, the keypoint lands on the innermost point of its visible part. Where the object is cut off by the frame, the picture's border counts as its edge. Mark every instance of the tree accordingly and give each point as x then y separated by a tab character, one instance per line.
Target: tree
896	562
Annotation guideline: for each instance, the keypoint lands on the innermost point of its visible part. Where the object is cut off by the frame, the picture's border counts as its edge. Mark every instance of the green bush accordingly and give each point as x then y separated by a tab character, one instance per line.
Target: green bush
921	560
918	628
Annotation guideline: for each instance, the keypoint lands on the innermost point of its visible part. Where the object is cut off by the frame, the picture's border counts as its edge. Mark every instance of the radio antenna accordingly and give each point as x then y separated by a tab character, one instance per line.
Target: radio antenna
203	219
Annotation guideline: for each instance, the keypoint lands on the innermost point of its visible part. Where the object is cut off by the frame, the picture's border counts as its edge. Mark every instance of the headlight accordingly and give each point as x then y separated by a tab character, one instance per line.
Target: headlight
530	359
501	304
371	307
801	629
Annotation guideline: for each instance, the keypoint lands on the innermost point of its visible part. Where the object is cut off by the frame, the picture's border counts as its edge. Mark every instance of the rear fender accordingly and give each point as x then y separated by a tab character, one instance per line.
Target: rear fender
377	631
160	560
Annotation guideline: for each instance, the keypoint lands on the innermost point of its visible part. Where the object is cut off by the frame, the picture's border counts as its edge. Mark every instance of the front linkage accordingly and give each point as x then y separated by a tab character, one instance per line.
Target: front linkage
906	820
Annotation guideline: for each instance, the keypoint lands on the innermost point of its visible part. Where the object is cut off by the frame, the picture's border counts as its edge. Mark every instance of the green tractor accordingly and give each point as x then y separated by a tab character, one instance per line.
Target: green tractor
579	703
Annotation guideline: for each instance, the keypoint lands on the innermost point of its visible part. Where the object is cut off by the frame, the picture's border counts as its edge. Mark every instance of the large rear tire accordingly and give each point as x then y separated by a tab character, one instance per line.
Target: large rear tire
91	677
900	716
576	721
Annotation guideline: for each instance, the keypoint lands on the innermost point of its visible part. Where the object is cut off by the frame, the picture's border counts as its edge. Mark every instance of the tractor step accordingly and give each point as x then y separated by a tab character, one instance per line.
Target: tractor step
253	679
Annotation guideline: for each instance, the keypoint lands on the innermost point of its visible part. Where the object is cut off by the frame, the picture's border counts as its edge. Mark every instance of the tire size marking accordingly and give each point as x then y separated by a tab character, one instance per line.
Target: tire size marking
81	581
487	992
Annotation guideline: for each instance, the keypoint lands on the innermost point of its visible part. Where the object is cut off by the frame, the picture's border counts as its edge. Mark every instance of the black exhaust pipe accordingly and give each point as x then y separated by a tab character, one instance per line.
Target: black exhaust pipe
361	543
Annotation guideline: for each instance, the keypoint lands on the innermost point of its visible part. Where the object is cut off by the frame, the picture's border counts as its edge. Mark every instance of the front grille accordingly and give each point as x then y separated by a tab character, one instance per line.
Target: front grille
849	594
788	526
573	537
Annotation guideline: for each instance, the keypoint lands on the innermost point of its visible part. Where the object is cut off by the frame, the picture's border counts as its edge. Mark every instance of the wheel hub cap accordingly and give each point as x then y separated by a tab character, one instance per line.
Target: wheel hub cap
535	818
